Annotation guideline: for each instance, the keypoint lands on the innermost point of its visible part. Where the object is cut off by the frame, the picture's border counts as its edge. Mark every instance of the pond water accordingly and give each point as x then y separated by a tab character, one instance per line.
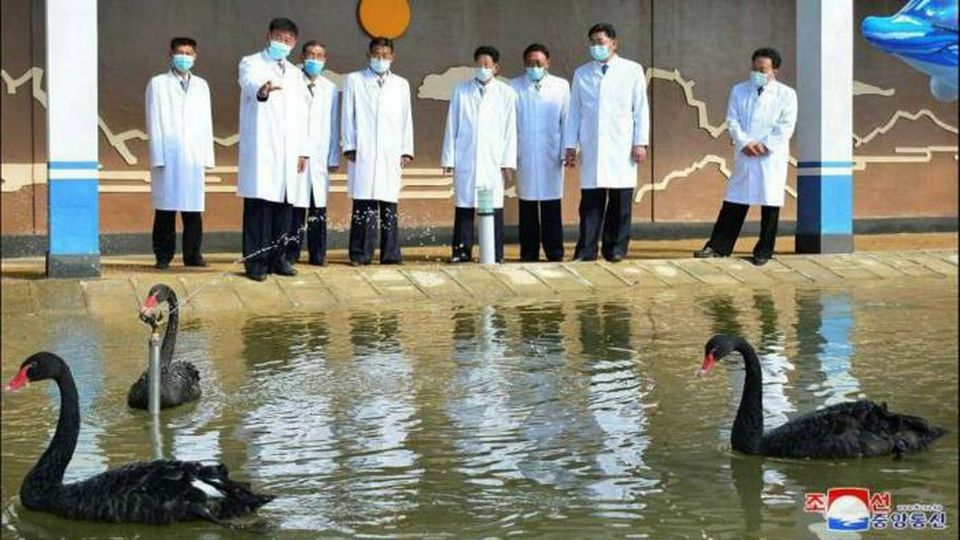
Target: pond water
544	418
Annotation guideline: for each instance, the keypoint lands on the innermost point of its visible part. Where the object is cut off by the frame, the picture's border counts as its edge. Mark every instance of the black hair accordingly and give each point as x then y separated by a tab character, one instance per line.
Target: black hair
606	28
311	43
536	47
284	24
488	50
768	52
181	41
380	41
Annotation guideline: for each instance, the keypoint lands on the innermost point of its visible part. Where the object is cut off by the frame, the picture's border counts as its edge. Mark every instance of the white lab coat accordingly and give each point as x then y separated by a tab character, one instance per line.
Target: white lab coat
323	138
541	115
180	136
768	118
609	115
273	133
480	139
377	124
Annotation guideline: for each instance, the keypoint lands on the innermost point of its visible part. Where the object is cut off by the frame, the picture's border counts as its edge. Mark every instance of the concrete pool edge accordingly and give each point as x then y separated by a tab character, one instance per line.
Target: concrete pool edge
344	287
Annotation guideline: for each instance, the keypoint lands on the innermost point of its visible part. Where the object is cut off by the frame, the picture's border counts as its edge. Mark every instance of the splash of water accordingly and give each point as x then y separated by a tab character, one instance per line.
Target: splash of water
281	242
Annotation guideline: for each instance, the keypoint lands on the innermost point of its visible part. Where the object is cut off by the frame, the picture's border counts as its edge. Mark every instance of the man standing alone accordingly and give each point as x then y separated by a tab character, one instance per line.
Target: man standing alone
180	131
610	121
761	116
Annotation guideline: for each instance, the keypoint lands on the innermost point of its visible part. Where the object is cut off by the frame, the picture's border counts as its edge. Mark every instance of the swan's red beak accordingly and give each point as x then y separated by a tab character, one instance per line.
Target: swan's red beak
146	311
708	362
19	380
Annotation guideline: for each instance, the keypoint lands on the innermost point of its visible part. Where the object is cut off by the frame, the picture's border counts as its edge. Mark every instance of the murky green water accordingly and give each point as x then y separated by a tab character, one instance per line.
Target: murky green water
576	419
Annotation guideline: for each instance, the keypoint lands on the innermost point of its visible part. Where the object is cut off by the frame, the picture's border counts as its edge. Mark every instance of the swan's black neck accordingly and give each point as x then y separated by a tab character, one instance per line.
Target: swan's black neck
47	474
170	335
748	426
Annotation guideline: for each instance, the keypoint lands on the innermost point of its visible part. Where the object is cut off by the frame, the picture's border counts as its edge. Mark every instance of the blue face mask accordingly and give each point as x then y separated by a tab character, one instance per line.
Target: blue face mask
278	50
379	65
182	62
483	74
313	67
536	73
599	52
759	79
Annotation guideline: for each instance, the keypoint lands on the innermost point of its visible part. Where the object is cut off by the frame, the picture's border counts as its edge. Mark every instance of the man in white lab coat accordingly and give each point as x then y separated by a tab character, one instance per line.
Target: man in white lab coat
180	137
479	147
609	120
309	199
542	104
273	149
377	140
761	116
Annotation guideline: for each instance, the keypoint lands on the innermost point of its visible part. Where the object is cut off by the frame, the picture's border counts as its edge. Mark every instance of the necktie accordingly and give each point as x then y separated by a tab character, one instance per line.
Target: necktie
310	88
603	69
759	90
380	80
280	64
183	84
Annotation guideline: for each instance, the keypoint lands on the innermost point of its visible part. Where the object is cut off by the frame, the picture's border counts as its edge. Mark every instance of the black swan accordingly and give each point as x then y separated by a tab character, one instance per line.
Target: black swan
845	430
179	381
155	492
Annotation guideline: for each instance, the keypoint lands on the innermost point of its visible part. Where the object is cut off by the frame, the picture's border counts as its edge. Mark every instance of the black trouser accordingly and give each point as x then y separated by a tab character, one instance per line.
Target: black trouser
462	243
363	231
611	208
316	231
541	222
265	227
165	235
730	221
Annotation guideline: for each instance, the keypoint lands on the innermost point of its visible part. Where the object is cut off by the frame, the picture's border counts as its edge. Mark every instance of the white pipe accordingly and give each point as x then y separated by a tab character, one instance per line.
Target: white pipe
487	231
153	375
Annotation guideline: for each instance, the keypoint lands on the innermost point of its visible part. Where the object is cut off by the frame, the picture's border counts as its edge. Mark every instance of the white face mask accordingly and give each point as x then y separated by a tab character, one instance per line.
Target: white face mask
759	79
483	74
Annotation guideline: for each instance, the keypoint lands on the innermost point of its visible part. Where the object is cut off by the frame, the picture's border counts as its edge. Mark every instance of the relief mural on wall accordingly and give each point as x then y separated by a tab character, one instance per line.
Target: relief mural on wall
431	183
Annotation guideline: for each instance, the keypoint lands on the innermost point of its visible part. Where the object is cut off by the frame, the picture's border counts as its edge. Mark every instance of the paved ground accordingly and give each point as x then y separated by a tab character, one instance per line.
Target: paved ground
425	276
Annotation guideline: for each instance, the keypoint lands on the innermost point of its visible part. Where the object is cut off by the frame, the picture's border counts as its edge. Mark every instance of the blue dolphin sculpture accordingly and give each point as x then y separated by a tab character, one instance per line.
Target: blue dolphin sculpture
924	35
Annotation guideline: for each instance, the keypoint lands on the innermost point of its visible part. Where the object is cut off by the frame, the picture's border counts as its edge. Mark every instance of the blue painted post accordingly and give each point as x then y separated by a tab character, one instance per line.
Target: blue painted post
73	215
825	126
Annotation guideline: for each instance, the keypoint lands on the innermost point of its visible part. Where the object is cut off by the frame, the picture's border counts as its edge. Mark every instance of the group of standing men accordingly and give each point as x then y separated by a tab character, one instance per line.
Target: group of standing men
295	128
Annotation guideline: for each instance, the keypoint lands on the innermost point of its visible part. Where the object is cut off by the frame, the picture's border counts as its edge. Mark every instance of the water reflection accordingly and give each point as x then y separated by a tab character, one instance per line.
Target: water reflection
291	438
379	417
616	396
480	406
824	321
78	343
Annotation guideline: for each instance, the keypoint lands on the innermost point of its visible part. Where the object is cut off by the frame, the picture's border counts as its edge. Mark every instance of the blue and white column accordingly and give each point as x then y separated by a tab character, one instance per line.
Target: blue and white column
73	213
825	126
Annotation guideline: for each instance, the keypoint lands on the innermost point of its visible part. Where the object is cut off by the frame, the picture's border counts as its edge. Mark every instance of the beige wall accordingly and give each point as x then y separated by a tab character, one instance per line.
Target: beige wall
693	50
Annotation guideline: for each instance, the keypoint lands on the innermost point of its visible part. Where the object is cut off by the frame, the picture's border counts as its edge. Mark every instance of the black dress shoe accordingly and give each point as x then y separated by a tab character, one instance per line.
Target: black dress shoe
318	262
198	262
257	277
760	260
614	258
458	259
706	253
285	269
162	265
355	263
